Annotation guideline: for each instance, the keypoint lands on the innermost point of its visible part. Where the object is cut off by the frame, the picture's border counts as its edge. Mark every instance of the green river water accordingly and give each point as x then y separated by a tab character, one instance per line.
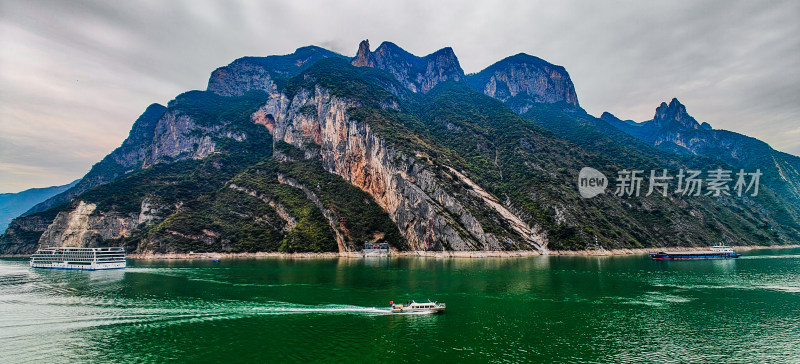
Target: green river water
535	309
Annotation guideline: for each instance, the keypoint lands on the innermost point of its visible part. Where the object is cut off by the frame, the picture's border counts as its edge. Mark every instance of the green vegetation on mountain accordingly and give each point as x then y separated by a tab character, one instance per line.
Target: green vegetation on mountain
534	172
201	212
451	165
224	218
286	66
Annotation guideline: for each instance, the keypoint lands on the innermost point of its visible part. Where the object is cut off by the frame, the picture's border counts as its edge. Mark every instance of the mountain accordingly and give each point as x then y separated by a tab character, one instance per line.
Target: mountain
145	145
522	80
316	152
124	159
264	73
673	129
418	74
14	204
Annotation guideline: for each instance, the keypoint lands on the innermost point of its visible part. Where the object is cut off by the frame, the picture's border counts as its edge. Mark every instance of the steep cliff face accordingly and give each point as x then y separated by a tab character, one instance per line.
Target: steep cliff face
84	227
239	77
79	225
418	74
134	148
522	80
23	233
263	73
428	216
178	136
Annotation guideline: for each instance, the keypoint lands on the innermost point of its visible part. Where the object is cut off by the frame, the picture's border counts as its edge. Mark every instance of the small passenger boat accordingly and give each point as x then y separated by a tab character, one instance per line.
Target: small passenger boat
412	306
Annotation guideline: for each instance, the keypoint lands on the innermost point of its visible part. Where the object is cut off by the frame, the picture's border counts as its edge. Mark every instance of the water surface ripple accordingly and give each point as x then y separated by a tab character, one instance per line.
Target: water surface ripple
564	309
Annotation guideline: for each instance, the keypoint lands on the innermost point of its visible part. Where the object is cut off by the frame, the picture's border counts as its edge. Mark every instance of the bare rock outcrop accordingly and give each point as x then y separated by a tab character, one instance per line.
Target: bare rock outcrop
22	235
418	74
239	77
413	194
84	227
178	136
263	73
522	80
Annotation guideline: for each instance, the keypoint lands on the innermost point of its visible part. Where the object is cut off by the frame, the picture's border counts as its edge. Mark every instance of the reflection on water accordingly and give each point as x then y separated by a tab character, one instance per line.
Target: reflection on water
561	308
373	262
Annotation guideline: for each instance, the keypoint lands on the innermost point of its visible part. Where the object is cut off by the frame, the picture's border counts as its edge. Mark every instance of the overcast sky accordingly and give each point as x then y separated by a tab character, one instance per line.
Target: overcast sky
74	75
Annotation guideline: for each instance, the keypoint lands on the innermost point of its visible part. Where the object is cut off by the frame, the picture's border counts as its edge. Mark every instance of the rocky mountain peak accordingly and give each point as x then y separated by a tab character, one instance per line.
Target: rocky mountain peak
523	80
418	74
362	57
615	121
263	73
607	116
387	47
445	59
448	54
674	115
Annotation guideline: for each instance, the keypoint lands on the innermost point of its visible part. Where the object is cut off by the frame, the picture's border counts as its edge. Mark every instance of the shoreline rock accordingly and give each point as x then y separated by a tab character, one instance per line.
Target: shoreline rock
478	254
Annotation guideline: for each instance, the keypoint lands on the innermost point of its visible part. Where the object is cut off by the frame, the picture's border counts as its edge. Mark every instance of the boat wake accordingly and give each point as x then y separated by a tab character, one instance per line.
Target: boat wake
283	308
796	256
789	288
35	314
34	304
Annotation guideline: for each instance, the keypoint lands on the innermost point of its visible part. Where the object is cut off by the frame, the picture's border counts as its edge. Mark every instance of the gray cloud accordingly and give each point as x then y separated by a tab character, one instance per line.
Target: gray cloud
75	75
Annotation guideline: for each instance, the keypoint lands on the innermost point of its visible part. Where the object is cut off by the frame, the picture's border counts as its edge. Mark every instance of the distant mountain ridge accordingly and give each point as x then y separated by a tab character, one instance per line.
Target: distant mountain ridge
14	204
672	129
314	151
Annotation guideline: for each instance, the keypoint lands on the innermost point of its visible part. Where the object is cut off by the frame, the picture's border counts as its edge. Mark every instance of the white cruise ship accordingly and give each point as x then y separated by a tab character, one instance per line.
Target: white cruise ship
79	258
